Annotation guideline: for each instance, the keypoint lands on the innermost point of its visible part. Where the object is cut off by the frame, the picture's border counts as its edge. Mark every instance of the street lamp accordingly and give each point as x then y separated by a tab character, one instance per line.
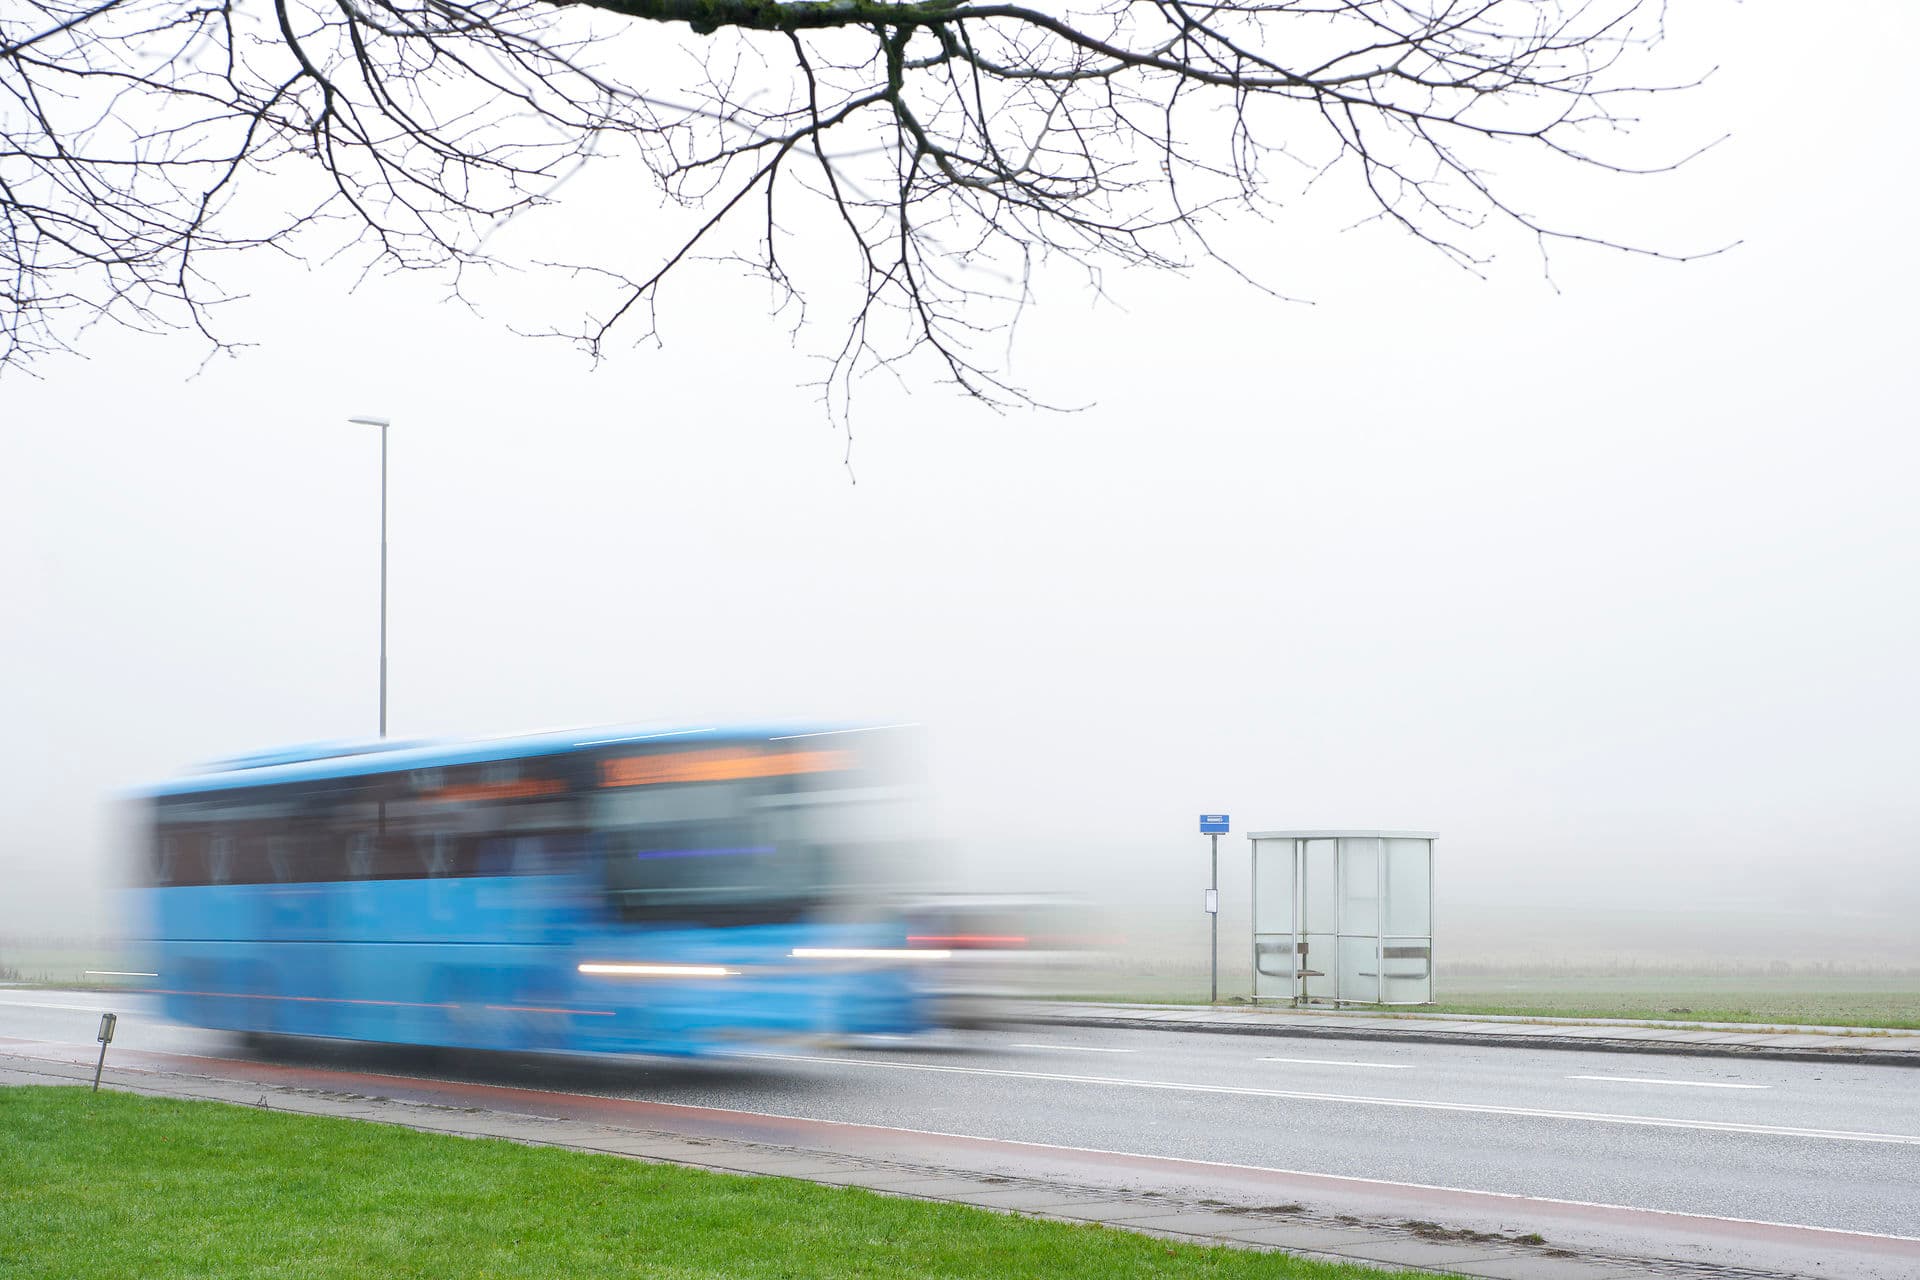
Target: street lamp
368	420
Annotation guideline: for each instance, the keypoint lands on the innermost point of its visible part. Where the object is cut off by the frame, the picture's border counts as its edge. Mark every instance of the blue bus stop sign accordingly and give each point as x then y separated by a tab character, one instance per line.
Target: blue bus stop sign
1213	824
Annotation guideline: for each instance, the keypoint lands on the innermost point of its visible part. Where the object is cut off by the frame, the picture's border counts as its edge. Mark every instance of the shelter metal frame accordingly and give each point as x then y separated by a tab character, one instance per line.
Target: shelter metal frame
1297	928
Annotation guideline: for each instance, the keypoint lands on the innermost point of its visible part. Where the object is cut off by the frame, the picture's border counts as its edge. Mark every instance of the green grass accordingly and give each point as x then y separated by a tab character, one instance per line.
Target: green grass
113	1185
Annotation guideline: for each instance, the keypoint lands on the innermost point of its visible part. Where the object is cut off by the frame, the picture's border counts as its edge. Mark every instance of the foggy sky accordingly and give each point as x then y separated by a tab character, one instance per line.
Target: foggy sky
1609	578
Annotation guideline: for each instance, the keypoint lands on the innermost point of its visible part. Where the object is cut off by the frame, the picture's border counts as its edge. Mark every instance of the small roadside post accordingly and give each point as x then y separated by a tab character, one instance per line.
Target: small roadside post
105	1038
1214	825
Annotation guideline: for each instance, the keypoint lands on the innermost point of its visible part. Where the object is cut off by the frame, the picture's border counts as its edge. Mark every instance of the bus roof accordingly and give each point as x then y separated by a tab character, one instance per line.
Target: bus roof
319	761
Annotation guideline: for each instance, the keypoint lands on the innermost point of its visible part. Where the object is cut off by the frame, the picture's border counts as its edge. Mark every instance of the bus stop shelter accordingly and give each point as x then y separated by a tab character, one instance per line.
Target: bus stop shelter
1343	917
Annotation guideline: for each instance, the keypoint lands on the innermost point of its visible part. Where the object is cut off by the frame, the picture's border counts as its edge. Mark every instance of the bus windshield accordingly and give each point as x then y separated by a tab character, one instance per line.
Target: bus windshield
707	854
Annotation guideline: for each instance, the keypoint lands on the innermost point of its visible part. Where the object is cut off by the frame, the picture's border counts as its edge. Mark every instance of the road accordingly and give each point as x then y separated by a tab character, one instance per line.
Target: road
1828	1145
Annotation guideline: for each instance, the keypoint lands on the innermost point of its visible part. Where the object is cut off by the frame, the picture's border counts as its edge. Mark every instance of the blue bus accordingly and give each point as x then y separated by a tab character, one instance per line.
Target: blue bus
610	891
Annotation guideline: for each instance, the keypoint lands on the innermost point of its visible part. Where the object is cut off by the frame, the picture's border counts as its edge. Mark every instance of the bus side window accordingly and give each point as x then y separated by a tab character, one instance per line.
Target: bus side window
167	848
314	857
220	859
246	856
280	860
535	855
294	851
438	852
183	858
495	856
359	855
346	824
393	855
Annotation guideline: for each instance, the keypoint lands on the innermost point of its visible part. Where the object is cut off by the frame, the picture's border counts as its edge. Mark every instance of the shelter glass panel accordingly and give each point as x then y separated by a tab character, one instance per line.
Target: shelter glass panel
1319	960
1273	961
1273	886
1359	969
1409	887
1407	970
1359	886
1319	892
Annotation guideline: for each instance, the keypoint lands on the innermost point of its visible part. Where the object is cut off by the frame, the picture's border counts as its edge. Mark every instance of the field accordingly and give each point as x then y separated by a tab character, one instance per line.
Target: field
64	961
1849	995
112	1185
1787	999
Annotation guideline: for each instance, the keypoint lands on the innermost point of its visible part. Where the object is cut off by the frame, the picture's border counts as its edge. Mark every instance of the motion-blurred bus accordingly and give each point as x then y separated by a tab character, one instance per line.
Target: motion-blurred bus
596	891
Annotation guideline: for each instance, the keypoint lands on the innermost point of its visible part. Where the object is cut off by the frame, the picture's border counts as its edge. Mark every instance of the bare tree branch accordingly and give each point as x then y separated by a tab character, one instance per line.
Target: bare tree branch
951	145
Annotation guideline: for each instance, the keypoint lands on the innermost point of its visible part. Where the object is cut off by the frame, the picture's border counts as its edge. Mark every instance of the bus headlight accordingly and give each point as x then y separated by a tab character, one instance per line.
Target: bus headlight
611	969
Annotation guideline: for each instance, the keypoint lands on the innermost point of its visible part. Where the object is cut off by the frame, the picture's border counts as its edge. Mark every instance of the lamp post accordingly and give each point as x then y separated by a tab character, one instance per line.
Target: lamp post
368	420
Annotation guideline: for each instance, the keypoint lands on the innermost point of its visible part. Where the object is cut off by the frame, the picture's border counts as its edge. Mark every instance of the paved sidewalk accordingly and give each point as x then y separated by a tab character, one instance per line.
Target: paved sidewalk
1288	1228
1850	1044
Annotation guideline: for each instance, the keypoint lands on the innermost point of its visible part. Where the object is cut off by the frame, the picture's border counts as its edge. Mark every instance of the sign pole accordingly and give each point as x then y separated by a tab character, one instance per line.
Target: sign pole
1213	916
1214	825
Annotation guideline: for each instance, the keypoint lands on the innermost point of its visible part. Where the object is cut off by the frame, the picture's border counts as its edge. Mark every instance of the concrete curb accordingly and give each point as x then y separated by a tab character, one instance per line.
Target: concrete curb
1498	1039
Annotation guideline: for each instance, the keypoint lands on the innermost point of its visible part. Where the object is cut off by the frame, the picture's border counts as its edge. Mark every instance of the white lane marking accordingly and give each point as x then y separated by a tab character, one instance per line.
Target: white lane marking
1288	1173
1071	1048
1142	1155
1414	1104
69	1008
1337	1062
1691	1084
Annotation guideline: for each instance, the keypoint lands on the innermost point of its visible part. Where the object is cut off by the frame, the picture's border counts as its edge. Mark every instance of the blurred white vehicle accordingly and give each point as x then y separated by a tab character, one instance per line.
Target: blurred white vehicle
999	947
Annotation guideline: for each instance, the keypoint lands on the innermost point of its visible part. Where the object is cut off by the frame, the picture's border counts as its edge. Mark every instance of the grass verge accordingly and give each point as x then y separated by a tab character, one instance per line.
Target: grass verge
115	1185
1889	1001
1699	1007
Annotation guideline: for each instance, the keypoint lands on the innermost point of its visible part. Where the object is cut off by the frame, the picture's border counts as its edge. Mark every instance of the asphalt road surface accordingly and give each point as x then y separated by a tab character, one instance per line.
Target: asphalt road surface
1826	1145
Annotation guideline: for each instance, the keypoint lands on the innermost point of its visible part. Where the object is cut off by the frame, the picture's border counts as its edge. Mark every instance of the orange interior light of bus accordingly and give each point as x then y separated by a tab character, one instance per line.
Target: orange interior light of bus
718	765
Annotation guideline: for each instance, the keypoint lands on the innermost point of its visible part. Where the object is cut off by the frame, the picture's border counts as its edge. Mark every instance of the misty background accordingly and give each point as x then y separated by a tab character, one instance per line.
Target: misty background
1607	576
